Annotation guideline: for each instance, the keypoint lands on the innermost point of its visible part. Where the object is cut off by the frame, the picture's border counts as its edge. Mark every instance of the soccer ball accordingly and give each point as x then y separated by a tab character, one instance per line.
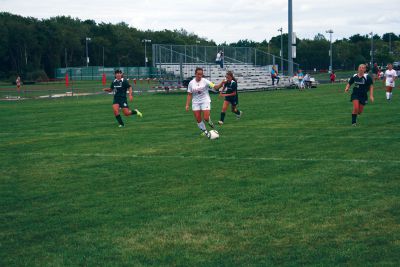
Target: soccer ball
214	134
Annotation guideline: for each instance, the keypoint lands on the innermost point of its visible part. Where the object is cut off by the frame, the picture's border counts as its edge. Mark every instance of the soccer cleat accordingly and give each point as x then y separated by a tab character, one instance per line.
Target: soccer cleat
354	124
121	126
138	113
240	115
220	122
211	124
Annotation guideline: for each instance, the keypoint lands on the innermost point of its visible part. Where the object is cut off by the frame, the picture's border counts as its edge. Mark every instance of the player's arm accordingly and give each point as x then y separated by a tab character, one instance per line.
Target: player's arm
351	81
109	89
371	92
218	86
188	99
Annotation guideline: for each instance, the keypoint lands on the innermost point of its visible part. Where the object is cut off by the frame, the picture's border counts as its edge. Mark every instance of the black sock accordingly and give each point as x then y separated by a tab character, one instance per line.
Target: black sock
236	111
222	116
353	118
119	119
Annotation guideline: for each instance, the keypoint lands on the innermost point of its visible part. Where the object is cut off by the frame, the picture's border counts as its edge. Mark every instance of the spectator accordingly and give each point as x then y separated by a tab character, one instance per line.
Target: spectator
300	77
220	59
274	75
332	77
18	83
375	71
307	80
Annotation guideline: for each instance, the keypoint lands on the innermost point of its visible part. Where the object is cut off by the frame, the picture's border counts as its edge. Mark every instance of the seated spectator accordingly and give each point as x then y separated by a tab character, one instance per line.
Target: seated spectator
274	75
307	80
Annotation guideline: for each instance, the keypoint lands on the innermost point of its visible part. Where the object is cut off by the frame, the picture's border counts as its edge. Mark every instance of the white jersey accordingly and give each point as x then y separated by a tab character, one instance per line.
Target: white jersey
390	75
199	90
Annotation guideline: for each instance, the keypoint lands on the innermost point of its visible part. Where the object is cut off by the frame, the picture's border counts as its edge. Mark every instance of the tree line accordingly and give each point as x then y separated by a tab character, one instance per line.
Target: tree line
33	48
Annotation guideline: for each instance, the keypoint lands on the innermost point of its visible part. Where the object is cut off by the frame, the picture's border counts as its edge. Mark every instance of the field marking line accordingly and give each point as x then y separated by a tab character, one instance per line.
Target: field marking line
102	155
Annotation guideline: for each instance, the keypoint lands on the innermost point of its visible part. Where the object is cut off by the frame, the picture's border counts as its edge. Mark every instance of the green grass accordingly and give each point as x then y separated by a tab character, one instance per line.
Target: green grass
291	183
45	89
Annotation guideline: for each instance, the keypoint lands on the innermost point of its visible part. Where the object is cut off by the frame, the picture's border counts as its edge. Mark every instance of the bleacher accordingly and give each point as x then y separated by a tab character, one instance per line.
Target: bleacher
249	77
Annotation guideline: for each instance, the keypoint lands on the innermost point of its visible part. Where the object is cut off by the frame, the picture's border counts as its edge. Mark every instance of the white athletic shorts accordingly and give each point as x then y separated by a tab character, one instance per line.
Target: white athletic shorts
201	106
390	83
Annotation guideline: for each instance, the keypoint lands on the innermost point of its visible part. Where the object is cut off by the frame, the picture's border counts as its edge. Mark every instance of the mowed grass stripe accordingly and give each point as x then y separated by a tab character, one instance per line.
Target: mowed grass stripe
207	157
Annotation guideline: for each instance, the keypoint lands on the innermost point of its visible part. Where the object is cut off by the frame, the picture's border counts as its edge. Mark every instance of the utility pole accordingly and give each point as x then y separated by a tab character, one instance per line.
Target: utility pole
281	52
87	51
372	49
330	49
145	41
290	36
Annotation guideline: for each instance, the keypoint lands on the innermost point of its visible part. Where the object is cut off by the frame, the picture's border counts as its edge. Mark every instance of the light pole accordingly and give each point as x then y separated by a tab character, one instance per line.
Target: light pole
145	41
372	48
290	37
330	49
197	57
281	52
87	51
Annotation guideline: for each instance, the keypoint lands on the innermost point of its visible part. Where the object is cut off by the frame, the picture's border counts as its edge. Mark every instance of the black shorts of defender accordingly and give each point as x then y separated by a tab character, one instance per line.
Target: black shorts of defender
363	99
121	101
233	100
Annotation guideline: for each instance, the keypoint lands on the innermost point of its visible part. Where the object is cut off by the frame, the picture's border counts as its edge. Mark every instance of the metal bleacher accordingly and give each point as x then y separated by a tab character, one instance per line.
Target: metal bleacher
250	67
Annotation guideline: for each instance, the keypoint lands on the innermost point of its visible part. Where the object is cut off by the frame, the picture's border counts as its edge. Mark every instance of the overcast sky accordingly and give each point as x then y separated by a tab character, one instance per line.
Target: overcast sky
224	20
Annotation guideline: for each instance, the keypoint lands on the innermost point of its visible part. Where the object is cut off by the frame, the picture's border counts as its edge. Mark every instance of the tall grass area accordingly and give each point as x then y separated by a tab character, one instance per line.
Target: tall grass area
291	183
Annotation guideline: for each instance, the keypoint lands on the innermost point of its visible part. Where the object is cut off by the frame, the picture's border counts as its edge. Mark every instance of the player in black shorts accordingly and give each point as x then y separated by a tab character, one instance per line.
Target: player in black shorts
120	86
362	84
229	92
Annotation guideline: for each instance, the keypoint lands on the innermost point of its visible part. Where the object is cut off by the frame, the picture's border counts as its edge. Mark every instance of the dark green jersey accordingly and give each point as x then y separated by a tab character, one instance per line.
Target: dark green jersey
230	88
361	85
120	87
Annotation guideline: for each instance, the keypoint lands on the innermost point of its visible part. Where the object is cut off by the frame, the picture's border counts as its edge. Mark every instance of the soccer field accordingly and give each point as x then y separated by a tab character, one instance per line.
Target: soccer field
291	183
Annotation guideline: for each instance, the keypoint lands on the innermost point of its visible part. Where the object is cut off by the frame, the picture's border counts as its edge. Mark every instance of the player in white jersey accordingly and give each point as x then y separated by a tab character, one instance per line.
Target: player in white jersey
389	78
201	101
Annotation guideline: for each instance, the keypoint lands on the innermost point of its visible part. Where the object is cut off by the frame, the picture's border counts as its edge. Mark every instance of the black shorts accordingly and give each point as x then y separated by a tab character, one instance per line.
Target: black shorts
121	101
233	100
363	99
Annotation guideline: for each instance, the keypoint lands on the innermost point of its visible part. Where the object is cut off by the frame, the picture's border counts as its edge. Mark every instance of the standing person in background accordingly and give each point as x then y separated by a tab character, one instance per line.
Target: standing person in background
219	59
120	86
389	78
18	83
274	75
362	84
201	101
332	77
230	94
375	71
300	76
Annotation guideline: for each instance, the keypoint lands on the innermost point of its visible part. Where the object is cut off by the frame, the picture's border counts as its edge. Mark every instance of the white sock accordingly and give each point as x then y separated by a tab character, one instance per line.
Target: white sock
387	95
202	126
390	95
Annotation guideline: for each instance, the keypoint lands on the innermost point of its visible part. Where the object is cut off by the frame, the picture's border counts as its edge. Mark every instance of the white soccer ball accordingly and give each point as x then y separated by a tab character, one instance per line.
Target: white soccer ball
214	134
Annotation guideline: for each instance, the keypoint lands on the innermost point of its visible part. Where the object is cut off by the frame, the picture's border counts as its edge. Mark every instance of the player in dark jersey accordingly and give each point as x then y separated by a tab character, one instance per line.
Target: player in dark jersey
362	84
229	92
120	86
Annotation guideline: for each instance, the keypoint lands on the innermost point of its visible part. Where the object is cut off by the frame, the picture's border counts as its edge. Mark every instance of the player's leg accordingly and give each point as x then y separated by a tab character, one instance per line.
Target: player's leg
223	112
235	110
389	92
356	106
205	108
128	112
117	116
200	122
